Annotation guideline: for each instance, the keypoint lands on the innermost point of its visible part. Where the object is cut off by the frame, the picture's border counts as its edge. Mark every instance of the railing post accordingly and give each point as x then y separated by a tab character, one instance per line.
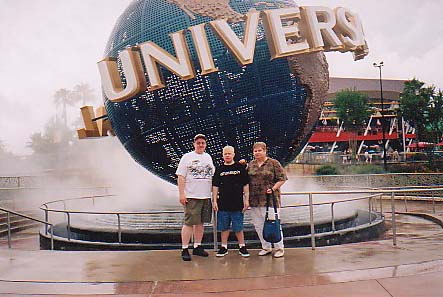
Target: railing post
370	211
381	204
9	228
433	202
311	219
333	217
69	226
46	219
214	229
52	237
406	205
394	226
119	229
18	182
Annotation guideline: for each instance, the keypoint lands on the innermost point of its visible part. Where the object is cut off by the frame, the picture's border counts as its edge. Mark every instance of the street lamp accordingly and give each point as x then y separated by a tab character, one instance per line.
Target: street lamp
379	66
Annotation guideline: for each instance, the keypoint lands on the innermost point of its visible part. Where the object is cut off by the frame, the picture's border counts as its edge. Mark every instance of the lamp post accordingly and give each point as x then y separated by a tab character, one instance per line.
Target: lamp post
379	66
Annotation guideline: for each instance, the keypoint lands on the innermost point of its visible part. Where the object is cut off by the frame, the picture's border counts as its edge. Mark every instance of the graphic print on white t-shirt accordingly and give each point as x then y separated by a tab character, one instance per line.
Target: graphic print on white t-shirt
199	170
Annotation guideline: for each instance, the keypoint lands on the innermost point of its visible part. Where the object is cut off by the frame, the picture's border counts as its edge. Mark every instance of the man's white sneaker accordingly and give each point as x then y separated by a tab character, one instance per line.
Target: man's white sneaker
264	252
279	253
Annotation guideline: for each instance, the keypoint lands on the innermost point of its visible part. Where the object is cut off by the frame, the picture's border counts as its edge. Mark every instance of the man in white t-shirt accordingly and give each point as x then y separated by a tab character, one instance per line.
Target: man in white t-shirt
195	172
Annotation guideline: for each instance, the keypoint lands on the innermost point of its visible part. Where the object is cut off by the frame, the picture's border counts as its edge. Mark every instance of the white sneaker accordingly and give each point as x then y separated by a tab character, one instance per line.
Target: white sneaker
279	253
264	252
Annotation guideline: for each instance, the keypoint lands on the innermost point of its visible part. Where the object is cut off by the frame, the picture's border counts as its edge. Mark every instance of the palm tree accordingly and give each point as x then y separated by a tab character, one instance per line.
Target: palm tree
2	148
62	97
84	93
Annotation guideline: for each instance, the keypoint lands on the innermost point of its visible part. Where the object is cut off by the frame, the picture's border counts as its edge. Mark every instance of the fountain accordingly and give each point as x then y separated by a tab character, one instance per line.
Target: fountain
105	223
275	96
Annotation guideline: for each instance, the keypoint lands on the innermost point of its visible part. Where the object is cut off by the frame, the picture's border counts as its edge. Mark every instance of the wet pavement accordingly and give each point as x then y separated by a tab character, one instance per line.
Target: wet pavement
376	268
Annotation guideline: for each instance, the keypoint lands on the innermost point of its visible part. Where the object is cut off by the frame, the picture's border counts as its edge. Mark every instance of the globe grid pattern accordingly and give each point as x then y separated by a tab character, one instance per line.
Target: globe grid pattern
237	106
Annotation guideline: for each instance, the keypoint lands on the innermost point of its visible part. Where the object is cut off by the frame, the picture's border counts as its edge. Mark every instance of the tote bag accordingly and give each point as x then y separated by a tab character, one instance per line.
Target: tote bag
272	228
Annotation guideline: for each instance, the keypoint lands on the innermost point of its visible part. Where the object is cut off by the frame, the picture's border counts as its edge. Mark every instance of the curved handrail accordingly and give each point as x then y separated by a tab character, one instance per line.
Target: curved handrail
9	212
374	192
52	188
76	198
369	191
370	174
335	201
369	194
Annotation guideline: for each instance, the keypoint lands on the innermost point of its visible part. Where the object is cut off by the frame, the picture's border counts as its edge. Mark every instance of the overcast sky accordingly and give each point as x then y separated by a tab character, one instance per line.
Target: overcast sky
46	45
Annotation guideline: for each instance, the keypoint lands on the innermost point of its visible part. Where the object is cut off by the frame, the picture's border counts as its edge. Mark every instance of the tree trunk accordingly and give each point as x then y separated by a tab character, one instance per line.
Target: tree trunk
65	116
353	145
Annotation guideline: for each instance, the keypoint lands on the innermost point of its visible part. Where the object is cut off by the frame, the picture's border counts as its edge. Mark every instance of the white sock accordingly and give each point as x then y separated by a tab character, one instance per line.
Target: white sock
225	246
241	245
196	244
185	246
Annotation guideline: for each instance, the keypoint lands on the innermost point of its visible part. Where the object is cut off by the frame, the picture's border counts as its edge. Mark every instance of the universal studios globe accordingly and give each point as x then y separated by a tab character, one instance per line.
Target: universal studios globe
276	101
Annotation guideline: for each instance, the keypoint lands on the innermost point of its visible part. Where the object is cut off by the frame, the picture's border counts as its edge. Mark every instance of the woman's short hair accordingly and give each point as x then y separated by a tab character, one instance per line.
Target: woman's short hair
259	144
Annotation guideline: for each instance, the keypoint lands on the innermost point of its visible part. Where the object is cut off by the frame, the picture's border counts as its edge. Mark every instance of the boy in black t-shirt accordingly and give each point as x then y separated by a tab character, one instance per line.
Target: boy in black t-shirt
230	198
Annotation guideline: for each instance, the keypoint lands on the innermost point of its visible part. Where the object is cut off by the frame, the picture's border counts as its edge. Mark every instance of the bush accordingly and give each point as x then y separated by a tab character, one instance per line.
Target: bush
416	167
327	170
366	169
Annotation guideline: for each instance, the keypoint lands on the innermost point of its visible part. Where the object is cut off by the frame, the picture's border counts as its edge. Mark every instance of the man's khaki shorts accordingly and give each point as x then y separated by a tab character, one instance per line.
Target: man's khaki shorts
198	211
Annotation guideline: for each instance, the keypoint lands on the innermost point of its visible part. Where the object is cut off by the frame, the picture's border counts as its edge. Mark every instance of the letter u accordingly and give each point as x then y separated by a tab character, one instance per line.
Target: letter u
133	71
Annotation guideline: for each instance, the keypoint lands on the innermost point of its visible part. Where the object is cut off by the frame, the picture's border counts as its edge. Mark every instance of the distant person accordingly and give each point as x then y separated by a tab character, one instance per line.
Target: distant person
345	158
266	176
395	156
366	157
195	172
230	198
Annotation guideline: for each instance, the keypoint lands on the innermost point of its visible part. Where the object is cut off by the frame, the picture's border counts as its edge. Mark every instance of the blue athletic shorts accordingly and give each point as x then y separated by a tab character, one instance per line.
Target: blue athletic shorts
226	218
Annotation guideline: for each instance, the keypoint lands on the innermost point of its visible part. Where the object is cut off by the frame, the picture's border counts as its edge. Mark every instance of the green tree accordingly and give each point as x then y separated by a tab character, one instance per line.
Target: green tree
413	105
353	110
435	119
422	107
55	138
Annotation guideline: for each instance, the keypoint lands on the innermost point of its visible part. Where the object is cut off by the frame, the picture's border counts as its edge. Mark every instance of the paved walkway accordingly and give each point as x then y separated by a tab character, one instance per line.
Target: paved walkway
377	268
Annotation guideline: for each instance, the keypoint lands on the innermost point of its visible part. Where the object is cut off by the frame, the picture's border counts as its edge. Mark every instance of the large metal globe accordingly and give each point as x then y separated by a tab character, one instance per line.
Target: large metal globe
277	101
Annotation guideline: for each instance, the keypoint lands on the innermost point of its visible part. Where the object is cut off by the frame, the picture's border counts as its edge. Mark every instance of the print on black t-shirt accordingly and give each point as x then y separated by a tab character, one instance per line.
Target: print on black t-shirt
230	180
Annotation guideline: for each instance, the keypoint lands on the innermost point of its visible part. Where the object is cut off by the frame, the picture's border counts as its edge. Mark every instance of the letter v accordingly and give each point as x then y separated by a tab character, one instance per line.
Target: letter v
243	51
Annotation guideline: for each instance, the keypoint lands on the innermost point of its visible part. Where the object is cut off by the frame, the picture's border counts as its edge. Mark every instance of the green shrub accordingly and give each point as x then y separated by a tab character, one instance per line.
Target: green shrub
367	169
416	167
327	170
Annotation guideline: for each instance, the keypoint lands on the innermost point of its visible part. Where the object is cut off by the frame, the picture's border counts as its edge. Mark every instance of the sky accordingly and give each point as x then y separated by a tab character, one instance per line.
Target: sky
46	45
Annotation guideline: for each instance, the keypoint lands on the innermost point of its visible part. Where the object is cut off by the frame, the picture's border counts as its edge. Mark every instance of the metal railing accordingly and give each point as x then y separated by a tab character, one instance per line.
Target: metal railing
378	180
392	194
371	195
326	157
311	205
8	214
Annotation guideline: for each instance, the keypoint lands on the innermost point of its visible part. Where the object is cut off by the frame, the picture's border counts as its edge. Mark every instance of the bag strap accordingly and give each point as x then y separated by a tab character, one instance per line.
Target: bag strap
274	203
